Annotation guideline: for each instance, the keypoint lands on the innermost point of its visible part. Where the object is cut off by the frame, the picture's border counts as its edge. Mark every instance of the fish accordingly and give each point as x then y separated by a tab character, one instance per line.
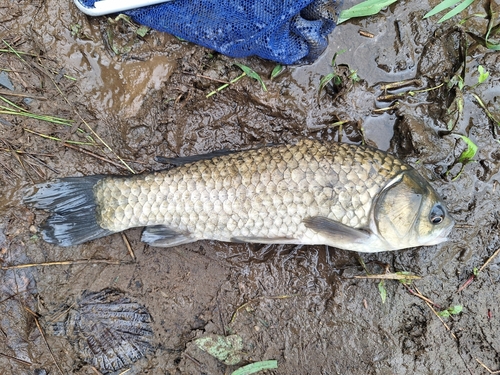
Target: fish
311	192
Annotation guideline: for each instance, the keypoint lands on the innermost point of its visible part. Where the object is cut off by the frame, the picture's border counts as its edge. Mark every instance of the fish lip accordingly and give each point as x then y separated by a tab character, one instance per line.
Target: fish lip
444	235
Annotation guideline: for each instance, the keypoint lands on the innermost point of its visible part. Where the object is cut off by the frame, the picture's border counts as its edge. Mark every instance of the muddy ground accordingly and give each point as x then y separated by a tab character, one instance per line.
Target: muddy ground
302	306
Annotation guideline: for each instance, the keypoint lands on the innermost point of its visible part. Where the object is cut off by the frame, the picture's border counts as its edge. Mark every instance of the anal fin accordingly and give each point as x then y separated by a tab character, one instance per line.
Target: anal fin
163	236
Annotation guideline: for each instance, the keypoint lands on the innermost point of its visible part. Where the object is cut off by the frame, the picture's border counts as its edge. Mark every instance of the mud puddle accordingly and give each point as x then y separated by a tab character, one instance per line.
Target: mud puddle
146	96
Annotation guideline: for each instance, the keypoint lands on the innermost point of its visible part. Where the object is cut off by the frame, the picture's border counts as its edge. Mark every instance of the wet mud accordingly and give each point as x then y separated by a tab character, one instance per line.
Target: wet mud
303	306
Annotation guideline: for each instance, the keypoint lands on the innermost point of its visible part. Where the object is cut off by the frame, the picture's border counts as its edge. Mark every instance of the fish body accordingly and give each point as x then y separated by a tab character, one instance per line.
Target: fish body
313	192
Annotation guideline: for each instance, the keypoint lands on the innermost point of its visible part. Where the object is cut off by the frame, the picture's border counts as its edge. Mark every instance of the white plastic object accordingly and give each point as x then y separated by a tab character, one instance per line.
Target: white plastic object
115	6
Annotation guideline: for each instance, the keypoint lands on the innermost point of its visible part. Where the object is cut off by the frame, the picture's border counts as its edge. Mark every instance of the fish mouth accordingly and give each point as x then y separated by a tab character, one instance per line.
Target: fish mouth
443	236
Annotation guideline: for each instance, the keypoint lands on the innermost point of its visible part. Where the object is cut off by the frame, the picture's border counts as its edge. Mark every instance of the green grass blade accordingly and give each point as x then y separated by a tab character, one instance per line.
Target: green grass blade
324	81
252	74
382	291
366	8
278	69
456	10
440	7
252	368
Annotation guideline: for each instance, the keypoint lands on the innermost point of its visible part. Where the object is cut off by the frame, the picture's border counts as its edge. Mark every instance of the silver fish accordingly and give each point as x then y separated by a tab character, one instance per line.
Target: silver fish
313	192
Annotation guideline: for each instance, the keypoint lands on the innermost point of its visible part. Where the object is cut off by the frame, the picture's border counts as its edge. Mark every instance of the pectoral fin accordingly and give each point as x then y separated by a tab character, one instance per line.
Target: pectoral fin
162	236
335	232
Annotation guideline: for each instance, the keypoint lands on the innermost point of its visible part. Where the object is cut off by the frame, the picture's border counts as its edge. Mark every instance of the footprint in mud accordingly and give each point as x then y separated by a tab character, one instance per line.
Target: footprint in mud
106	329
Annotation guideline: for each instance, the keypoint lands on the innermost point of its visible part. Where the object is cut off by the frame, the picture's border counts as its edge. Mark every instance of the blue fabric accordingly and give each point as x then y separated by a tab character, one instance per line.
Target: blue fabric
285	31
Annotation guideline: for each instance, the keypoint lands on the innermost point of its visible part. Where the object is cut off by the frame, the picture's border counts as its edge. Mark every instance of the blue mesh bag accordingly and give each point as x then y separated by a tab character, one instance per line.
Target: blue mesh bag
285	31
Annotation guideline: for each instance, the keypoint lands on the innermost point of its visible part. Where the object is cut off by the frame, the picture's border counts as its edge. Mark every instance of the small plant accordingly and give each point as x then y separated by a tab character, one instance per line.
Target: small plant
452	310
252	74
466	156
278	69
246	72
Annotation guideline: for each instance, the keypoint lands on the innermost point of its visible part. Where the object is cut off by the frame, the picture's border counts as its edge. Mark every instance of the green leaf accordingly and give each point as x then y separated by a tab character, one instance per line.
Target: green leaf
382	291
452	310
226	349
324	81
252	368
440	7
278	69
468	154
483	74
455	10
366	8
252	74
142	31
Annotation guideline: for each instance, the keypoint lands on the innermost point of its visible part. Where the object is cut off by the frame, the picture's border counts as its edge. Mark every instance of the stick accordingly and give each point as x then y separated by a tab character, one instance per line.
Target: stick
64	262
129	248
95	155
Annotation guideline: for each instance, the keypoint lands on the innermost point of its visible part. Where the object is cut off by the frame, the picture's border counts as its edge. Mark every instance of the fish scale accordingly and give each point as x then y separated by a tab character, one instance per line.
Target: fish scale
288	182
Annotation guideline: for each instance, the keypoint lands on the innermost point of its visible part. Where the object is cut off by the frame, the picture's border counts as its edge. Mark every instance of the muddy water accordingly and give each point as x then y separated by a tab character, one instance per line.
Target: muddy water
299	305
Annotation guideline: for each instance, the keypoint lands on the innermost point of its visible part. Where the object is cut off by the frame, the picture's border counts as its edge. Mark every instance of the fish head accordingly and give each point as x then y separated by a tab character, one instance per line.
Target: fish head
410	213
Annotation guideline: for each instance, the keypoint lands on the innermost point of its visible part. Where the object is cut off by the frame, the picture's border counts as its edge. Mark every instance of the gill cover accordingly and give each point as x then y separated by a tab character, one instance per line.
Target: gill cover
410	213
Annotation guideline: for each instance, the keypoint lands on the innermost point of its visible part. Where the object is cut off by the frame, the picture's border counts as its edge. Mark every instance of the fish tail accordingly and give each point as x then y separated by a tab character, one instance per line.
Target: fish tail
72	204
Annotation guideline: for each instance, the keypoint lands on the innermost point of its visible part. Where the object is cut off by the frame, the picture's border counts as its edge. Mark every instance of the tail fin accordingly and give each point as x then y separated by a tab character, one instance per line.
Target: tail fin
72	203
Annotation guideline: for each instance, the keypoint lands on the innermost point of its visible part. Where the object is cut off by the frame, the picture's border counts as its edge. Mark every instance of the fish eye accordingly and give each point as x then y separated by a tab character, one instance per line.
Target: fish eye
437	214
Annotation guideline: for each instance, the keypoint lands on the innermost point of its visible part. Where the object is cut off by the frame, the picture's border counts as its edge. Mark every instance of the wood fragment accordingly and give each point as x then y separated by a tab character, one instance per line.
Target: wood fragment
401	84
366	34
129	248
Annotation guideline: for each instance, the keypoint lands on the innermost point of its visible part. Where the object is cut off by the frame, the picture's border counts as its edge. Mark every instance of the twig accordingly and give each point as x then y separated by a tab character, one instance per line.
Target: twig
435	313
21	95
390	276
365	33
416	293
487	368
473	276
35	316
23	362
64	262
129	248
194	360
386	109
489	260
90	153
400	84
